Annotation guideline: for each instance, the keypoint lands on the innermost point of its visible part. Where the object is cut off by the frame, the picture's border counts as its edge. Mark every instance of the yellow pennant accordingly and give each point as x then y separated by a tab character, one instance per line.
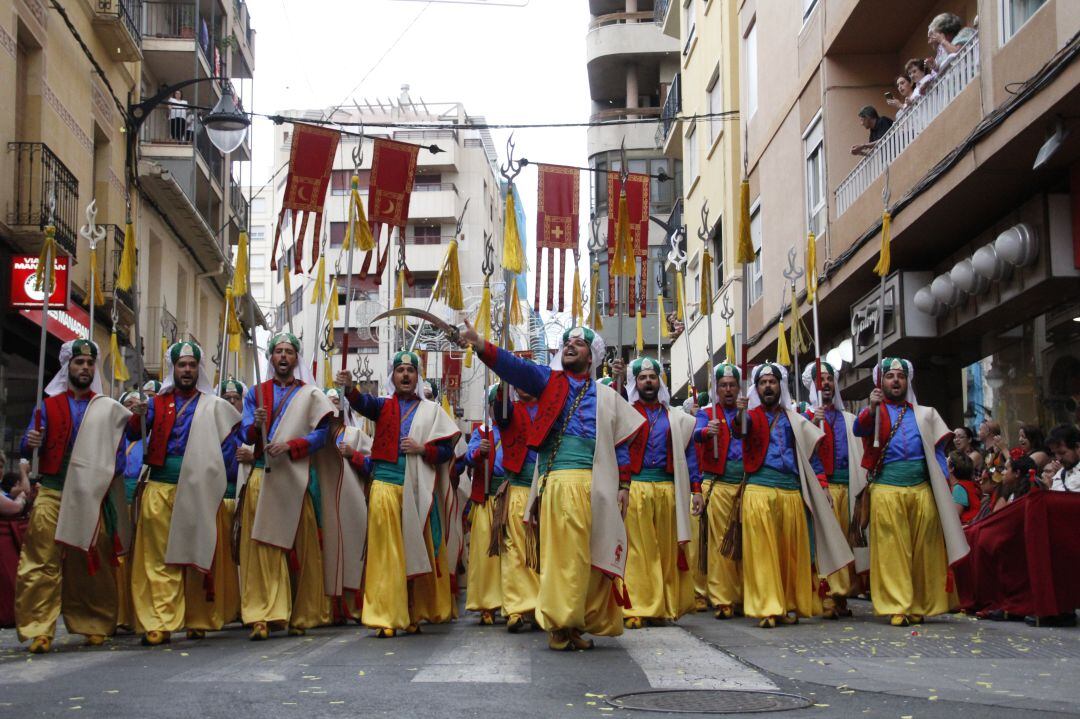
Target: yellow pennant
665	331
319	293
744	248
448	286
783	356
799	340
399	298
516	317
576	309
358	229
445	402
622	264
811	268
513	256
44	276
161	358
680	297
885	256
729	346
120	370
595	311
288	285
240	275
232	323
706	284
99	289
639	340
126	275
332	307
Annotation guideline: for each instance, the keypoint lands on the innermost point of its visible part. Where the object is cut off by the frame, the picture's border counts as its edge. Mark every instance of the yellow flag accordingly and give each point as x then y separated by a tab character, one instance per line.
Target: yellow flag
576	309
288	285
448	286
744	249
319	293
44	276
399	298
884	257
622	264
783	356
596	313
240	275
661	317
120	370
232	324
445	402
680	297
639	340
729	346
126	275
798	342
516	317
483	314
358	228
513	256
706	284
332	307
161	358
811	267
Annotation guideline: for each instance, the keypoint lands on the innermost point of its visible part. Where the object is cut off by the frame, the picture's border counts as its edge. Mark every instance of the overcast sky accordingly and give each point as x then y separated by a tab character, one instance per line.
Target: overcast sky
522	63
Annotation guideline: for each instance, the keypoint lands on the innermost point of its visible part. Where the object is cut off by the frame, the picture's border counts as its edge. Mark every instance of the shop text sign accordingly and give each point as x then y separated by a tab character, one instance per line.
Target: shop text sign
23	293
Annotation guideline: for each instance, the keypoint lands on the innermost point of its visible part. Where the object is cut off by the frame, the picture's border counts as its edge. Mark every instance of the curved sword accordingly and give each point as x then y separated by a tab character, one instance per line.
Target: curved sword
452	333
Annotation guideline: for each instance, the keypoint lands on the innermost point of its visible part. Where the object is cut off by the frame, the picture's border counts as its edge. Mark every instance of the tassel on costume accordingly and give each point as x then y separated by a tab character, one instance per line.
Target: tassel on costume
684	566
860	519
500	515
126	275
731	546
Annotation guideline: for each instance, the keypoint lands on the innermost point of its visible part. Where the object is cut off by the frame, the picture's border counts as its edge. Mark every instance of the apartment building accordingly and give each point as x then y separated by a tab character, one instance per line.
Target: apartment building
631	65
62	128
464	172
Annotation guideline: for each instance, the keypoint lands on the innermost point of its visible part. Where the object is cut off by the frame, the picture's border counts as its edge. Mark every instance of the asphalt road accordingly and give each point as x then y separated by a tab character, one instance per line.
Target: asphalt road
855	668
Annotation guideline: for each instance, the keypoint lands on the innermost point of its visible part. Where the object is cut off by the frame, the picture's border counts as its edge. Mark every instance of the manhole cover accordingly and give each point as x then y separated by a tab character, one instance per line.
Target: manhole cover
709	701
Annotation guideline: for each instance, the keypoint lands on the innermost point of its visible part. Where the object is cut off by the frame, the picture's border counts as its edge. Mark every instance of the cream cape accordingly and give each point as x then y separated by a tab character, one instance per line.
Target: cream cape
682	429
285	482
455	501
830	543
856	481
193	528
90	473
344	512
430	424
616	421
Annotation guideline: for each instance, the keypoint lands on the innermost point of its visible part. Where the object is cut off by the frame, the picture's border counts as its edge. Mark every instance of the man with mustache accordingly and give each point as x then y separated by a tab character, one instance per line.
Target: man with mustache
915	532
582	481
665	487
409	535
779	579
722	470
64	565
178	531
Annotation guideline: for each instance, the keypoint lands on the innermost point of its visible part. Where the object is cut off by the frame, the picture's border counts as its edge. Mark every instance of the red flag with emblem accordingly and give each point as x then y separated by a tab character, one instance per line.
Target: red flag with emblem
557	213
393	170
311	160
637	204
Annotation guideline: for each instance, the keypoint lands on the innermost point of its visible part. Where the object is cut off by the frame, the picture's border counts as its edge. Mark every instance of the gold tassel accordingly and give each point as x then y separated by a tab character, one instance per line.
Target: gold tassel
483	314
240	275
622	264
120	370
885	256
332	308
680	297
729	349
799	340
639	340
811	267
399	298
99	291
576	309
706	284
161	358
328	374
448	287
468	357
288	285
516	317
595	313
319	293
783	356
232	324
44	277
665	331
513	258
358	224
744	249
126	276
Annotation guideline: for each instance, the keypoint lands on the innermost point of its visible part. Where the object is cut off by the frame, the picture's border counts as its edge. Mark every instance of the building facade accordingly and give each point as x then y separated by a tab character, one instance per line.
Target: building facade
62	125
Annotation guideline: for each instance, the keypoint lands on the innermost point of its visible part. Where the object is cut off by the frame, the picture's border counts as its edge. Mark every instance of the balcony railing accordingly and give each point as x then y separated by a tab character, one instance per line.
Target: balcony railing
129	13
660	11
672	105
624	113
621	18
238	203
169	19
435	187
40	178
109	264
959	73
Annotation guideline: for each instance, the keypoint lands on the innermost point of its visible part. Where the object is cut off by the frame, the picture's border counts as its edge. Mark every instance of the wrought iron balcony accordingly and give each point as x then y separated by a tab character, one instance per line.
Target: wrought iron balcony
120	23
40	177
109	255
238	203
672	105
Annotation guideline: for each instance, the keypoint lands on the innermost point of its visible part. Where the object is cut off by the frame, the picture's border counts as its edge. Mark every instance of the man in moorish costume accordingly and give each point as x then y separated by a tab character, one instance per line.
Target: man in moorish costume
780	580
175	558
410	535
278	526
150	387
838	456
722	469
915	532
65	562
485	456
582	484
520	582
665	487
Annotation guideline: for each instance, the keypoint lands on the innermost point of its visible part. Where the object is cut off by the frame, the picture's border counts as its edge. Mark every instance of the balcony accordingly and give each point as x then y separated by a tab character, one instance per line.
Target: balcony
172	29
957	76
40	178
109	252
626	34
436	201
238	203
670	112
119	23
243	51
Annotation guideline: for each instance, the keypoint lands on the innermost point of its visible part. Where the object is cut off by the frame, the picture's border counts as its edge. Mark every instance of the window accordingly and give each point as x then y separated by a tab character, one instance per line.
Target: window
814	147
257	290
1014	13
431	181
423	284
257	233
716	238
258	205
599	180
337	233
691	24
425	235
365	342
757	282
716	105
297	305
750	63
258	261
691	152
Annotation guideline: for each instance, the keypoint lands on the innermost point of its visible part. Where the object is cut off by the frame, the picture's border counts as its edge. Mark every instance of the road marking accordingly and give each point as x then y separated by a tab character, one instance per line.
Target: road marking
672	658
490	656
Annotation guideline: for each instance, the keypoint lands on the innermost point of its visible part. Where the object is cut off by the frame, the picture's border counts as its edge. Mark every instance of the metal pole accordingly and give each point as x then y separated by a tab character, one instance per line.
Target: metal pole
138	334
47	289
223	355
258	379
745	352
880	352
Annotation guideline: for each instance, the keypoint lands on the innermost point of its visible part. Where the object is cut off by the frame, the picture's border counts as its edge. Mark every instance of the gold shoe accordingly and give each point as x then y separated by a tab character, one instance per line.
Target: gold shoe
915	618
297	632
40	645
259	632
155	638
700	604
724	611
789	619
767	623
196	634
412	629
95	640
515	623
384	633
633	623
559	640
899	620
487	619
579	642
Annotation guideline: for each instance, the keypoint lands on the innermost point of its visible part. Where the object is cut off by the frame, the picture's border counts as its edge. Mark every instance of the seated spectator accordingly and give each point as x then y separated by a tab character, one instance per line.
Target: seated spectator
946	35
878	125
964	441
921	76
994	447
1017	481
1031	444
904	88
966	494
1062	474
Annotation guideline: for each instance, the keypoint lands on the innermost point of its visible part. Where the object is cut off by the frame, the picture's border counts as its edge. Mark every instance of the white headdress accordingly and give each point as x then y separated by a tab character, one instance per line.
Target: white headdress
59	383
408	358
891	363
175	353
594	340
777	370
810	384
640	365
301	371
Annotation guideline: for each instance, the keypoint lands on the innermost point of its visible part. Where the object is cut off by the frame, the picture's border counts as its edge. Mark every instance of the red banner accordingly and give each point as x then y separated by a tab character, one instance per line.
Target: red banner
451	371
393	169
70	324
23	292
557	224
310	163
637	205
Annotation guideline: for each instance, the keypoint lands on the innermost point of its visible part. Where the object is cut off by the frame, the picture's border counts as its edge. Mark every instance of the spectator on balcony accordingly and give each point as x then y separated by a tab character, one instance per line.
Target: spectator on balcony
178	112
1063	473
877	124
946	36
921	76
904	88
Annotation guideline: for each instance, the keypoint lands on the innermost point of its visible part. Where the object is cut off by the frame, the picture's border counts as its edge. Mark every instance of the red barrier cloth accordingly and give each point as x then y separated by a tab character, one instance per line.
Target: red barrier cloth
637	204
393	171
310	161
11	534
557	220
1024	558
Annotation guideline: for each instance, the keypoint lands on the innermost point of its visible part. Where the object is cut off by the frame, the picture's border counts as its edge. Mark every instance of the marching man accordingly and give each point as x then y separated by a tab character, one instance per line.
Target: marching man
915	532
74	423
485	456
177	531
582	485
664	485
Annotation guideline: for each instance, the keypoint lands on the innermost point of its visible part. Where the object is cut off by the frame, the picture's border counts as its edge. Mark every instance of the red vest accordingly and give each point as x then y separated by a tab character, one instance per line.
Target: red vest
515	444
641	439
756	444
827	447
870	452
706	459
482	472
974	500
385	444
552	400
164	419
58	429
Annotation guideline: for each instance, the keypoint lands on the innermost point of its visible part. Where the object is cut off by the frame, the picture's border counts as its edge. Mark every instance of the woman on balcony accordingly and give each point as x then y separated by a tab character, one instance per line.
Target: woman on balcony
178	111
904	87
920	75
946	35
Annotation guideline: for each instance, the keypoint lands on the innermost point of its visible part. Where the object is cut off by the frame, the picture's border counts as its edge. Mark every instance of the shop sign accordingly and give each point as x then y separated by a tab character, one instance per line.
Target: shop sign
24	295
65	325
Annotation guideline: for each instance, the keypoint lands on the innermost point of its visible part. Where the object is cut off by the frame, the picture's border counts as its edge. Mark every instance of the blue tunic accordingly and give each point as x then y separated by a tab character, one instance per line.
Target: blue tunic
836	420
77	407
734	451
781	453
659	424
906	444
283	396
178	437
475	460
370	406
